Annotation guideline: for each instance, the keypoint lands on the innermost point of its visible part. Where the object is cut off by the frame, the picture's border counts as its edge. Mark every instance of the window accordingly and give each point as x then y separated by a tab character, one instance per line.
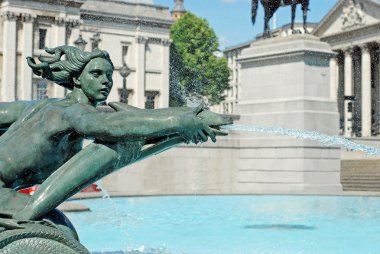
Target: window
40	89
42	38
225	108
129	95
150	99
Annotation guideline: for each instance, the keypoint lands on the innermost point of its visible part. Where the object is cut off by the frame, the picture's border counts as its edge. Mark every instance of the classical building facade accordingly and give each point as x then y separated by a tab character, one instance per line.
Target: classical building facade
232	95
352	28
135	32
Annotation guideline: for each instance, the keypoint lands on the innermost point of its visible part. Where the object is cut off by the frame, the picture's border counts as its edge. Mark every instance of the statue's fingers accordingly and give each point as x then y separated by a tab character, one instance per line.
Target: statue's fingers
202	136
195	139
210	133
188	138
218	132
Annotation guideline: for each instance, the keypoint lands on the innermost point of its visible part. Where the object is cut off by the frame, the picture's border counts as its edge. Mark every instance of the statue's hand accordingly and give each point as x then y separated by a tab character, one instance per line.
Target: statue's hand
192	129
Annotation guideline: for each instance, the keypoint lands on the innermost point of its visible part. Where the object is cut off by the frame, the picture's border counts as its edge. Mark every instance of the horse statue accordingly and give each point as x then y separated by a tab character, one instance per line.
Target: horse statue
271	6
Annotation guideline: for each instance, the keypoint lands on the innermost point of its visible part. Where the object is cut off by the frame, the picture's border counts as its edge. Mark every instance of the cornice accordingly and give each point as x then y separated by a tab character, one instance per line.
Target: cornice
67	6
125	19
351	35
287	55
10	16
153	40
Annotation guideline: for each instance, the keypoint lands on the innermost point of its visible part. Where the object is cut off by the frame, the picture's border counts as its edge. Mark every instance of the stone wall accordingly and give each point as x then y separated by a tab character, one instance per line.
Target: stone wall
187	169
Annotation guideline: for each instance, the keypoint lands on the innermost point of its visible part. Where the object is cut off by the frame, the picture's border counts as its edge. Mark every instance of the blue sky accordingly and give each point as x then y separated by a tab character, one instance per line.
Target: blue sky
231	19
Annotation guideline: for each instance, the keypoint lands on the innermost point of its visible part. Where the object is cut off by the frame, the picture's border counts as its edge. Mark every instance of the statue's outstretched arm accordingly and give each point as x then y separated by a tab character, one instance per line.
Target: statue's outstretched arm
135	126
11	111
207	117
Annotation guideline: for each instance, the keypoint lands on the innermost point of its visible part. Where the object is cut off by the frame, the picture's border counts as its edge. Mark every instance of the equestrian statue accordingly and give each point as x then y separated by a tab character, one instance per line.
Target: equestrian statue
271	6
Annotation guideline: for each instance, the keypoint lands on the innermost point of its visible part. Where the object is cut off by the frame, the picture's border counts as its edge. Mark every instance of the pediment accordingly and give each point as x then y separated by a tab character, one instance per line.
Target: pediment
349	15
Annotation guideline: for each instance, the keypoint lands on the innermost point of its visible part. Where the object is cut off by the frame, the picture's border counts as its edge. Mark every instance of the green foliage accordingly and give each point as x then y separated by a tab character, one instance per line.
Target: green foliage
194	69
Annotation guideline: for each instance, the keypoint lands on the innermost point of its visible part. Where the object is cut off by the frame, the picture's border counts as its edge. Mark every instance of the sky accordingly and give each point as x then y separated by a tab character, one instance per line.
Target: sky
231	19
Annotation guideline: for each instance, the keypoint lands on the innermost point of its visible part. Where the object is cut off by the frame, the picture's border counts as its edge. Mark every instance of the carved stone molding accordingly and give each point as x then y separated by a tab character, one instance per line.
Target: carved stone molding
348	50
9	16
60	21
166	42
27	18
73	23
365	48
142	39
352	15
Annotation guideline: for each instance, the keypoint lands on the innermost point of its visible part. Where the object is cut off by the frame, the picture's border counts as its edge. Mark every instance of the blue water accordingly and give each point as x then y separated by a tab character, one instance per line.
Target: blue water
231	225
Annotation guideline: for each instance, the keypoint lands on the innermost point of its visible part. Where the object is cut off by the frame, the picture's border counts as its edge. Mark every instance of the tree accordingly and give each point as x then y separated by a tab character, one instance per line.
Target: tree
195	71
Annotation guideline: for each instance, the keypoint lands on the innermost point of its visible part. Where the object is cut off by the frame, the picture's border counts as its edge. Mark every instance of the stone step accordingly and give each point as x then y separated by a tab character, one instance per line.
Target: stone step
362	184
360	175
362	187
352	186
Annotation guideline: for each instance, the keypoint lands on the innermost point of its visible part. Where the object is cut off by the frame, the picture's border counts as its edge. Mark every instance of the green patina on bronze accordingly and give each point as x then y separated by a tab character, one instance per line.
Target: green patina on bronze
42	142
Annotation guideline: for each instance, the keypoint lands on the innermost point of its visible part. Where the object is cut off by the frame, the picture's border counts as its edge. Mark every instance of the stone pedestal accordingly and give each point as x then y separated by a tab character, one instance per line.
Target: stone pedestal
285	83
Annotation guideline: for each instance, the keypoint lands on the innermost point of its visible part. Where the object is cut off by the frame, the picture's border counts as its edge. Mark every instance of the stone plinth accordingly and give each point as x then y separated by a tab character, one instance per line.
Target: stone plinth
285	83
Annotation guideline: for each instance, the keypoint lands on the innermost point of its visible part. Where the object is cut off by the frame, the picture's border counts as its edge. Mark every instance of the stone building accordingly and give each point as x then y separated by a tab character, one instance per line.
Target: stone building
352	29
232	95
135	32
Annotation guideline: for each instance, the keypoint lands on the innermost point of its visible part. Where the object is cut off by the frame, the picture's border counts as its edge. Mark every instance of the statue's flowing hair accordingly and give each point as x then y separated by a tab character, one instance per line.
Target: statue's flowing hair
63	71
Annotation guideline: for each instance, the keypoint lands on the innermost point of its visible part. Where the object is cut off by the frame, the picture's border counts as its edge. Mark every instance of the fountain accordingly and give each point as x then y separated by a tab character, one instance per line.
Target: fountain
41	142
43	145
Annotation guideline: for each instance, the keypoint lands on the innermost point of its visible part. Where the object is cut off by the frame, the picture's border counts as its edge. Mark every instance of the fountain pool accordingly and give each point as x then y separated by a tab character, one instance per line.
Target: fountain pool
231	225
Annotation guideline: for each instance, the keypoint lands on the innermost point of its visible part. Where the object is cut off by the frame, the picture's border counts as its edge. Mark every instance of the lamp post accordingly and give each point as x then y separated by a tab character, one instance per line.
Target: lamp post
124	73
80	43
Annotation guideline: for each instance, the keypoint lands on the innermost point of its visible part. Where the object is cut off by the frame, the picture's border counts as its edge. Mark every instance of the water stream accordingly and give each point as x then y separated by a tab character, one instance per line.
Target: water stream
310	135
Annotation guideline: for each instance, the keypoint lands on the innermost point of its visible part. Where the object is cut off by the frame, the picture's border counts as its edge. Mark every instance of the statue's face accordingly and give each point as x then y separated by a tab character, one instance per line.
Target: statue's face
96	79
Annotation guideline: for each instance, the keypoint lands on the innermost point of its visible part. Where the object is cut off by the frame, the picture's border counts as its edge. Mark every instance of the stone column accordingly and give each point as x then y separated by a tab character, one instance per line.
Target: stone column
334	78
27	50
375	101
140	72
366	92
8	83
164	95
60	39
348	91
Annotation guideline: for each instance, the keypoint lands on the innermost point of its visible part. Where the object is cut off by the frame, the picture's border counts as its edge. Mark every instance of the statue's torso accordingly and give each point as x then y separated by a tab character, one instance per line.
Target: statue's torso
37	144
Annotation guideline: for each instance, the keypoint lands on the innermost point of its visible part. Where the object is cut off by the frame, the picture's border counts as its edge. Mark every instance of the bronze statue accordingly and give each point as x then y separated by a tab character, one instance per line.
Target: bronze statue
42	142
271	6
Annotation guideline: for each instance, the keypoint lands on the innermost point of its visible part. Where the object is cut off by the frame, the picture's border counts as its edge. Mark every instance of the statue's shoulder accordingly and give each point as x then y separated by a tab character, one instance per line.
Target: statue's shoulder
75	110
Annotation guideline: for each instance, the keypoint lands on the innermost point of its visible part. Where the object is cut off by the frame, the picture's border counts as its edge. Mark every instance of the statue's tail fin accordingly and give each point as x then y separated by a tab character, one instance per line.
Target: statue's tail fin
255	5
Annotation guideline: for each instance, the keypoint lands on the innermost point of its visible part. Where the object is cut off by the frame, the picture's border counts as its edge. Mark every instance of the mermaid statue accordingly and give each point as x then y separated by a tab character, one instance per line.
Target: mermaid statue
41	143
